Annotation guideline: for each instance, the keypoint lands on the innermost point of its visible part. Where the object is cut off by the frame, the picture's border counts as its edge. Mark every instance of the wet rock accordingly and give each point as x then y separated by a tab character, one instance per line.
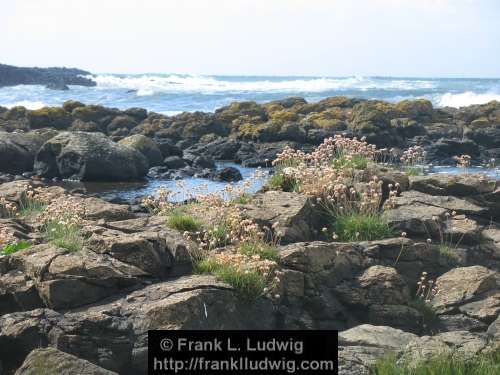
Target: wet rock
168	148
174	162
90	157
229	174
53	361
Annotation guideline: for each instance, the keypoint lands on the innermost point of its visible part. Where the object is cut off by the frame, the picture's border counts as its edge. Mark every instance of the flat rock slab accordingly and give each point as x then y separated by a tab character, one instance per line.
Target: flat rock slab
456	185
448	202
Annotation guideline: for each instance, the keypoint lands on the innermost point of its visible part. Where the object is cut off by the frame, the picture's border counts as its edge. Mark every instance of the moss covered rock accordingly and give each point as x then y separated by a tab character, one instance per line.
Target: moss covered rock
79	125
121	122
95	113
145	146
49	117
70	105
416	109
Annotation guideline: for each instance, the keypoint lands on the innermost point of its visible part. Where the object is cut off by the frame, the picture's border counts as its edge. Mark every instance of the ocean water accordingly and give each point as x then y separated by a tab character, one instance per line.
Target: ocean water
172	93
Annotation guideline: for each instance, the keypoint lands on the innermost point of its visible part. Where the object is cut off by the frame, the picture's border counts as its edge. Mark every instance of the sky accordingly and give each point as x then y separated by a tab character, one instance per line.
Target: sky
409	38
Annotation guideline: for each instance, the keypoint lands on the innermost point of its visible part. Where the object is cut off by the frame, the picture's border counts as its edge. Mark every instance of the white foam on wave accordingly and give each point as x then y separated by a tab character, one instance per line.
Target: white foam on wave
147	85
26	103
466	98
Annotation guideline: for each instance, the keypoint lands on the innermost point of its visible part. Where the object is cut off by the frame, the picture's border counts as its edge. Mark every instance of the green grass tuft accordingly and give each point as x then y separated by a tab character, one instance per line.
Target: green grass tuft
243	198
250	284
65	236
443	364
354	226
279	181
414	171
261	248
447	253
30	206
183	222
356	162
15	247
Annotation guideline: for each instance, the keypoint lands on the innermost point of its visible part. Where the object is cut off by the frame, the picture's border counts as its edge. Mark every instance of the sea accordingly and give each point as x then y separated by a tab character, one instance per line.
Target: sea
171	94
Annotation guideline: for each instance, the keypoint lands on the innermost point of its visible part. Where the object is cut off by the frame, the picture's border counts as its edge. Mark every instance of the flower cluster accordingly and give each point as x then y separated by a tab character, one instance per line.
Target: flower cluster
426	289
66	211
161	202
6	237
7	208
414	156
463	161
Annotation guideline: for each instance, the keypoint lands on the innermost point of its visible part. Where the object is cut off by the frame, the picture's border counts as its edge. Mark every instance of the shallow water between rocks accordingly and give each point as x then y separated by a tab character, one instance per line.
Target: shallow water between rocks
254	178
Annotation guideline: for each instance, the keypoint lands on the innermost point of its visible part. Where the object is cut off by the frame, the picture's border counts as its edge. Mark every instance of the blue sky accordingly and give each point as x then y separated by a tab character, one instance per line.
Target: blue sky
445	38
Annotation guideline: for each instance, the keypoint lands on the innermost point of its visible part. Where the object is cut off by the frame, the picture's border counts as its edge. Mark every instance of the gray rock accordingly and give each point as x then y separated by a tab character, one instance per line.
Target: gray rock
53	361
90	157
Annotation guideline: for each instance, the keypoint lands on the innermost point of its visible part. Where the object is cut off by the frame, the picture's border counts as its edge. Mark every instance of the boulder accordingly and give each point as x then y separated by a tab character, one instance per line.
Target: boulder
462	285
228	174
90	157
18	150
121	122
145	146
53	361
297	220
174	162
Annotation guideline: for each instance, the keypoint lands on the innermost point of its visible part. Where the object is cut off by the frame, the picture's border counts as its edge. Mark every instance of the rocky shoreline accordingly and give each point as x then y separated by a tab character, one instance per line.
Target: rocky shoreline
248	133
92	277
52	78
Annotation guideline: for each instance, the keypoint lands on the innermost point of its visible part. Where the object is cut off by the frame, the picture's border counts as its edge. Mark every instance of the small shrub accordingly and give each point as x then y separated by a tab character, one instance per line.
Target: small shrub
14	247
355	226
183	222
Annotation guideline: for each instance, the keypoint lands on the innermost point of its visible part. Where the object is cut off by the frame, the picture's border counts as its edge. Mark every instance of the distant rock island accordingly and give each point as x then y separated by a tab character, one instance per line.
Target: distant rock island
53	78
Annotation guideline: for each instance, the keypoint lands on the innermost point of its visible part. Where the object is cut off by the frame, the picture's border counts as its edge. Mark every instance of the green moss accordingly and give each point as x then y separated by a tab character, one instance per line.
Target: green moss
284	116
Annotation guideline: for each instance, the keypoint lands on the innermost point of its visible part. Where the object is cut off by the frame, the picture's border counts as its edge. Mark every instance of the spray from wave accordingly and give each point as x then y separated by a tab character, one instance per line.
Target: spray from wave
466	98
27	104
146	85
